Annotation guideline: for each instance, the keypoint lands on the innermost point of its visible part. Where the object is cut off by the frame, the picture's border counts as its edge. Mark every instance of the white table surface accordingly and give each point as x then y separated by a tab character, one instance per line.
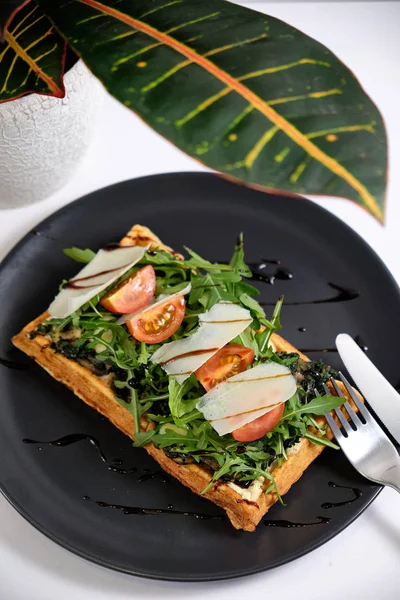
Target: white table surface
363	561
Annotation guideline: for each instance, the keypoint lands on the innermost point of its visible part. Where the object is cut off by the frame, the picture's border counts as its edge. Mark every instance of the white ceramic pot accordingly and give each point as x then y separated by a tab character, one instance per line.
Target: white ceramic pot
42	139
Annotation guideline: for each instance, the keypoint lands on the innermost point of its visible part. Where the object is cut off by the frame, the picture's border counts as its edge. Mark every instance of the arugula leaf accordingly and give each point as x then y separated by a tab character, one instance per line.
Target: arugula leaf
226	277
237	261
258	455
230	462
177	391
133	405
82	256
144	354
246	288
207	291
318	406
255	308
197	262
323	404
320	441
172	438
143	437
161	257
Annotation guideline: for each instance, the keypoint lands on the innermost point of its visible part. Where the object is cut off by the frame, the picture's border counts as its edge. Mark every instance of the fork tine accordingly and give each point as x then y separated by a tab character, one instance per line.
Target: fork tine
343	420
330	420
336	387
334	428
360	405
338	413
353	416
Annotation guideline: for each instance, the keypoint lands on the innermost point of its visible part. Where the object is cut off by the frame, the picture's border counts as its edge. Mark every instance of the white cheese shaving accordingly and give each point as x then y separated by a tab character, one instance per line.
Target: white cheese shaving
253	492
223	322
229	424
105	268
247	396
155	302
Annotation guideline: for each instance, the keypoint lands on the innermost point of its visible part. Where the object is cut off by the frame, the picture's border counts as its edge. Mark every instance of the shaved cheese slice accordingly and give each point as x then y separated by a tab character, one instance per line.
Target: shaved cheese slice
105	268
247	396
155	302
229	424
223	322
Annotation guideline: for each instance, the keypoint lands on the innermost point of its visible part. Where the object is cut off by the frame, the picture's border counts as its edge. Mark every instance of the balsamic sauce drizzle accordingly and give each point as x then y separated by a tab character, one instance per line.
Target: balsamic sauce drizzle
291	525
112	246
192	353
155	512
76	284
257	270
344	295
326	505
10	364
73	438
147	475
271	261
357	494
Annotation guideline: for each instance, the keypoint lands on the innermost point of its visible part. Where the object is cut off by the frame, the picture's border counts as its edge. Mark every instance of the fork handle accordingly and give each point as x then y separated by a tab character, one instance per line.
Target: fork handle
392	478
395	486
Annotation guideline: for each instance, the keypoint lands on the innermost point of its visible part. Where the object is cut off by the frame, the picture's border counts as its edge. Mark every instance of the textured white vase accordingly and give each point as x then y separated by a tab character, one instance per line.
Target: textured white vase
42	139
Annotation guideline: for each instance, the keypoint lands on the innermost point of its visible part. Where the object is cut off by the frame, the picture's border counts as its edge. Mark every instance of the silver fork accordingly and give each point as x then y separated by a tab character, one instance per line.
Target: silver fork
367	446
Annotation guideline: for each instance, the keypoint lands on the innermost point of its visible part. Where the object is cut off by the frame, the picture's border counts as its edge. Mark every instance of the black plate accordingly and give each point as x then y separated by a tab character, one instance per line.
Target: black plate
47	484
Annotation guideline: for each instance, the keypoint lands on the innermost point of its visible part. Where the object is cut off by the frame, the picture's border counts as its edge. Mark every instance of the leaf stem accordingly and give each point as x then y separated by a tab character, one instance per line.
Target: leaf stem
155	398
275	324
135	410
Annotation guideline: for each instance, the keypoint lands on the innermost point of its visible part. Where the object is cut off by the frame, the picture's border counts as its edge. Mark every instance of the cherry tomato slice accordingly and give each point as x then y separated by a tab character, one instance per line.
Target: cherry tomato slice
228	361
157	324
132	294
259	427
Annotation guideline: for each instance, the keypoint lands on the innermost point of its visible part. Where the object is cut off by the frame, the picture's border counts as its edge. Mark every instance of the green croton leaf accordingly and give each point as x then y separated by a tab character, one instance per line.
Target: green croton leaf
32	55
7	11
244	93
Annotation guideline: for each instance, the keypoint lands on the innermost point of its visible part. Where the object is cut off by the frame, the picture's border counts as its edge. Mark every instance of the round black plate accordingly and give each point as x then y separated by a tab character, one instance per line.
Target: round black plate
47	484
